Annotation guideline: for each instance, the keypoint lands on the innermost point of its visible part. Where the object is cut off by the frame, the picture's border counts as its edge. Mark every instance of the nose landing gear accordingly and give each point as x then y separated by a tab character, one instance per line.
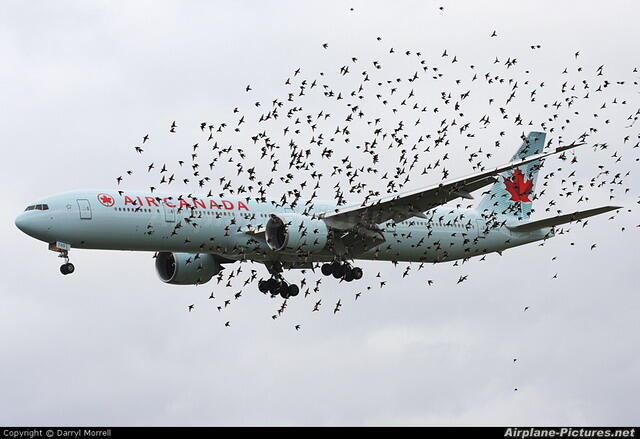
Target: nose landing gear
63	250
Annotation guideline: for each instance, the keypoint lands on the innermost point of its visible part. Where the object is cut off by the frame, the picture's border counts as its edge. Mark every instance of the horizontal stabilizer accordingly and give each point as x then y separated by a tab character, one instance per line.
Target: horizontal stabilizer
561	219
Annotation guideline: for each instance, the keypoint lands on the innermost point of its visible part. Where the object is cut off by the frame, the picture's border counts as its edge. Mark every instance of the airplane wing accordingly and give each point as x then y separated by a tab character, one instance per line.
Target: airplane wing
561	219
409	204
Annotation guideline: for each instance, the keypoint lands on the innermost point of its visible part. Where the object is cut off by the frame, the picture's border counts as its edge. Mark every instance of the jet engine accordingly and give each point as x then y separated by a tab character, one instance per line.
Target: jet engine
292	232
186	268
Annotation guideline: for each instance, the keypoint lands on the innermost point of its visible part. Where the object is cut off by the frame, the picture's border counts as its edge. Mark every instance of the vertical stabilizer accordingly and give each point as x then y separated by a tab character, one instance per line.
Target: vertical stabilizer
512	194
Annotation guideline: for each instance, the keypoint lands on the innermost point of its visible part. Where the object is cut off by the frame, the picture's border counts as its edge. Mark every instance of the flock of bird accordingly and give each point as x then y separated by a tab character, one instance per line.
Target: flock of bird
362	130
400	120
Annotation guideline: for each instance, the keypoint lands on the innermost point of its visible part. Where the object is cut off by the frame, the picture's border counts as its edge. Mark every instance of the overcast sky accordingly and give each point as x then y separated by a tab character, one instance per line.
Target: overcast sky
82	82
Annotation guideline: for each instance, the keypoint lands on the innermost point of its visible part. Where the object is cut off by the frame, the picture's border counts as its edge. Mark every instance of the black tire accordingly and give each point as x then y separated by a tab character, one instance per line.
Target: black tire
272	284
70	268
293	290
63	269
326	269
283	290
263	286
348	276
356	272
338	271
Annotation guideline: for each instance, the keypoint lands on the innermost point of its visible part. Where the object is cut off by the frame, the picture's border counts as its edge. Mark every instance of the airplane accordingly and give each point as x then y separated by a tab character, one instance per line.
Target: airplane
194	236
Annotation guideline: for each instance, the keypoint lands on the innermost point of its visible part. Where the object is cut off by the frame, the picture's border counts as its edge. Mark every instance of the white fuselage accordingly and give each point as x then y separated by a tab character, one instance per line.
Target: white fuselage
139	221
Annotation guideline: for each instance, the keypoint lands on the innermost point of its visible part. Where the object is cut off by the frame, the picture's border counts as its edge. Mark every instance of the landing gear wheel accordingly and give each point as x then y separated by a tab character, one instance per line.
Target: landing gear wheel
338	270
348	276
327	269
272	284
67	268
283	290
356	272
293	290
263	286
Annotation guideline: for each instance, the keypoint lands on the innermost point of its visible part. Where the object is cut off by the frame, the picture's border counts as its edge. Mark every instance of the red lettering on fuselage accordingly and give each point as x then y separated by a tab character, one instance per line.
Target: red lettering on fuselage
196	204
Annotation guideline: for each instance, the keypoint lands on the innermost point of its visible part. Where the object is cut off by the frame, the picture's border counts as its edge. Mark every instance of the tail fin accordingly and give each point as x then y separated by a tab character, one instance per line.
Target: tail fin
512	194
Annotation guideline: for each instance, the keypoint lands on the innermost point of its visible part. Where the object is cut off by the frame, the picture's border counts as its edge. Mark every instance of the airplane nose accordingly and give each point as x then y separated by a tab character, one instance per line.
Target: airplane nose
31	225
21	222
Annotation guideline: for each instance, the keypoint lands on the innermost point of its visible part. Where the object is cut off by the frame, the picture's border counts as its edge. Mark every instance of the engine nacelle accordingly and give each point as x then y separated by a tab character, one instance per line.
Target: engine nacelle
293	232
186	268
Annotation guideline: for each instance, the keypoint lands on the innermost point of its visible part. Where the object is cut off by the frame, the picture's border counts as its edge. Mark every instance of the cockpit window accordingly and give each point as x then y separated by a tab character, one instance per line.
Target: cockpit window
37	207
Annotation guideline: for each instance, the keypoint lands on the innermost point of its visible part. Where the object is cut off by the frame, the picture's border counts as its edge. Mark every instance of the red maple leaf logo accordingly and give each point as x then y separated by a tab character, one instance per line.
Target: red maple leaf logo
518	188
106	200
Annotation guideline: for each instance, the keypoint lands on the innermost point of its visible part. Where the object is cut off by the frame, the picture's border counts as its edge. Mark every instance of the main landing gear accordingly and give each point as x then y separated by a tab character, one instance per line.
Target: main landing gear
342	271
276	285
